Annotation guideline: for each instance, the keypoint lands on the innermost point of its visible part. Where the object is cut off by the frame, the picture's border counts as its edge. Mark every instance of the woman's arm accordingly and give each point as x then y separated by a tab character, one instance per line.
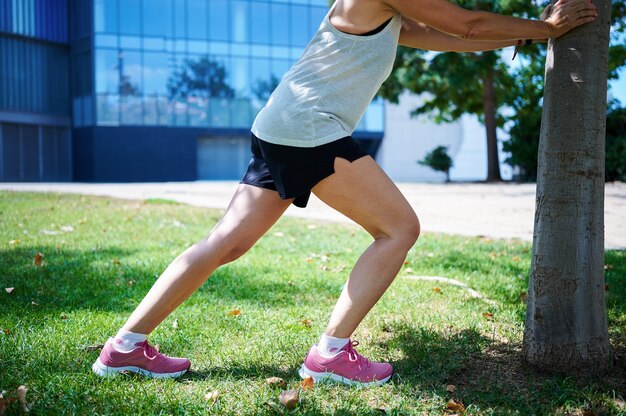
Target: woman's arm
485	26
417	35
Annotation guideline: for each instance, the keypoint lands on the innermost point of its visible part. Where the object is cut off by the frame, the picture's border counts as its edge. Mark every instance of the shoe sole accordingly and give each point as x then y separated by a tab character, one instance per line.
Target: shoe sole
332	377
106	371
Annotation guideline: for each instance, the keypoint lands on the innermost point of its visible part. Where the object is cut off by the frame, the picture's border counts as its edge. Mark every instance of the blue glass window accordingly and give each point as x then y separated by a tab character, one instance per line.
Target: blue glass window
105	16
260	23
157	18
130	17
197	19
107	71
218	20
280	24
180	19
299	25
240	21
156	72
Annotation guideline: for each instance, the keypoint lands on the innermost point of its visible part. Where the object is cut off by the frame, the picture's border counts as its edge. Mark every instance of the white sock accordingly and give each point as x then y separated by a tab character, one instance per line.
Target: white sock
330	346
125	340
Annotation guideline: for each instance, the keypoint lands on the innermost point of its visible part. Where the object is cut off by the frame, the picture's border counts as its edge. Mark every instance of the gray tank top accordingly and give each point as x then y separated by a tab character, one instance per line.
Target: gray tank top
324	95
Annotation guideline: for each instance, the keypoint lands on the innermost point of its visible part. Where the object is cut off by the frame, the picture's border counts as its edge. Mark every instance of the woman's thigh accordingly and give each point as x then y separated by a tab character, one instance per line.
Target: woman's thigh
363	192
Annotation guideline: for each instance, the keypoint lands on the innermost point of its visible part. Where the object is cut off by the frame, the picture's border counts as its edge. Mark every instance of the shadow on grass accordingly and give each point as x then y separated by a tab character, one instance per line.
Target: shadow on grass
114	279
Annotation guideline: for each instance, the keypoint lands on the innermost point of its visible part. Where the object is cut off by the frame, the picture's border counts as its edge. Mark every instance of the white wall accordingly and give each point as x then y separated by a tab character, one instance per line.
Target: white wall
408	139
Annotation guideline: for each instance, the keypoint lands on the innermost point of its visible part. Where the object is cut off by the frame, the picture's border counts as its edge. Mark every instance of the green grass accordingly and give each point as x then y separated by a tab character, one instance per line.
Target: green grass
95	272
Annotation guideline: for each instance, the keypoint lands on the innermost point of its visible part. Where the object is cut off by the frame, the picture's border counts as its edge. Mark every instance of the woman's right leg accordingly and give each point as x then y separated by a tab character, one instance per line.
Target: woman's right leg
251	212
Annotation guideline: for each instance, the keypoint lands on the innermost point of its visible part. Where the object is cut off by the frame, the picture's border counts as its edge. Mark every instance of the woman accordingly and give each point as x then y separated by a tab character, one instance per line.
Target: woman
301	144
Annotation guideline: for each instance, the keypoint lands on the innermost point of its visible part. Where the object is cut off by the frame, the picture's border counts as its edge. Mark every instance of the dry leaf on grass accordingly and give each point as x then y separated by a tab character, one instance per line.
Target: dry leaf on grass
96	347
9	289
14	242
213	396
455	406
38	260
5	402
276	382
6	331
451	388
234	312
487	315
21	395
437	289
289	398
306	322
308	383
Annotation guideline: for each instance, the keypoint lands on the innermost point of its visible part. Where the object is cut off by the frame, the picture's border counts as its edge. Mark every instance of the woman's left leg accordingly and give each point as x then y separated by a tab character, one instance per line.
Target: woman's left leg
364	193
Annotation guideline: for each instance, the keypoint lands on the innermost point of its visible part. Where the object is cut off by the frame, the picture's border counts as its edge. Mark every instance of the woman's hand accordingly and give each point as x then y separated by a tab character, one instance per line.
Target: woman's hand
565	15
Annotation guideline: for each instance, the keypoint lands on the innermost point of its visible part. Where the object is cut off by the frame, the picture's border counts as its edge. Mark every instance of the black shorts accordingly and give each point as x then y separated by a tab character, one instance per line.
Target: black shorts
294	171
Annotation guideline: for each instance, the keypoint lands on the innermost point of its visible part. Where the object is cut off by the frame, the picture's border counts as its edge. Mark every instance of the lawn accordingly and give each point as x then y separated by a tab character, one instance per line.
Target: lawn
101	255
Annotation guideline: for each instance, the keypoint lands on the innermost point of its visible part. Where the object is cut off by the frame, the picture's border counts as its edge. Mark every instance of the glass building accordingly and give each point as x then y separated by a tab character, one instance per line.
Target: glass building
145	90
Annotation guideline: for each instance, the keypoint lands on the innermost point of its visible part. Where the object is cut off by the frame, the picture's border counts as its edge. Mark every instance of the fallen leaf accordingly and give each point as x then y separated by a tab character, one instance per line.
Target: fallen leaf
234	312
67	228
437	289
96	347
289	398
9	289
306	322
38	260
307	384
451	388
21	395
523	297
5	402
6	331
279	234
455	406
276	382
406	263
310	260
487	315
14	242
213	396
175	323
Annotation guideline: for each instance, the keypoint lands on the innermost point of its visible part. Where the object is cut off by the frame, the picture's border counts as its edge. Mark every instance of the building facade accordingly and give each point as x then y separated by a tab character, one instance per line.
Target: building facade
145	90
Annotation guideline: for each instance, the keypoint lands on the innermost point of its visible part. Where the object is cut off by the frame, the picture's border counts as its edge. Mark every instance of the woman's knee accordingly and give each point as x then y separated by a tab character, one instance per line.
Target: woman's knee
403	232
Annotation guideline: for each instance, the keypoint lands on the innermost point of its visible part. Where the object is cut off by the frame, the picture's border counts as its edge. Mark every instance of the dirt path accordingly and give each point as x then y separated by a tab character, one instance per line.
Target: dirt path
497	211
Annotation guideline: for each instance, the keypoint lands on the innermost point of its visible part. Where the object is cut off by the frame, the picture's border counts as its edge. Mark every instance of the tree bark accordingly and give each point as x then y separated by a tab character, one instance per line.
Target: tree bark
489	105
566	323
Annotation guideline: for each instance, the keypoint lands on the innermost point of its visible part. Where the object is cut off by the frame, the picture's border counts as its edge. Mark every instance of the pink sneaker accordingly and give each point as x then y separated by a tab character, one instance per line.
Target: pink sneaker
348	367
144	359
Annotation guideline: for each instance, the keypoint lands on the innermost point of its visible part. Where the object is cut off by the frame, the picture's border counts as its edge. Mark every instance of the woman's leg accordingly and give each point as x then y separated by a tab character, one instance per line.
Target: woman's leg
251	212
364	193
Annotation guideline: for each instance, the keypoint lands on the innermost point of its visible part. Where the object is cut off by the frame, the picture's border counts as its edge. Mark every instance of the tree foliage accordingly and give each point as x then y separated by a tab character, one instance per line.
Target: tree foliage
439	160
202	78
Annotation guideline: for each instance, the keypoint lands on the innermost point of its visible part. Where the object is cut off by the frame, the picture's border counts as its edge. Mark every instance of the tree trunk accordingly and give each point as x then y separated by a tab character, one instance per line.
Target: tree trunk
489	105
566	323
